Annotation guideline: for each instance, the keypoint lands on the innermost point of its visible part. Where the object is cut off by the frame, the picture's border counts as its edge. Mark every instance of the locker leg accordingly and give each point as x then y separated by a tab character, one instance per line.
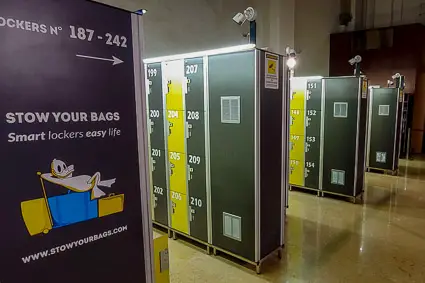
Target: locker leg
214	251
290	188
170	234
209	250
354	200
319	194
258	268
174	236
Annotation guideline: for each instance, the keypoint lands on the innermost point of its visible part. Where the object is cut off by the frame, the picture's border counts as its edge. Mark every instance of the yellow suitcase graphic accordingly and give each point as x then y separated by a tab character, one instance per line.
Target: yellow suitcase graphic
36	216
111	205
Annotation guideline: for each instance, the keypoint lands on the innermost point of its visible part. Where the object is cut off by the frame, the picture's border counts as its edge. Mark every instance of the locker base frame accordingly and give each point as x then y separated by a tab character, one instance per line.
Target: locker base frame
354	199
382	171
303	189
213	250
175	235
258	265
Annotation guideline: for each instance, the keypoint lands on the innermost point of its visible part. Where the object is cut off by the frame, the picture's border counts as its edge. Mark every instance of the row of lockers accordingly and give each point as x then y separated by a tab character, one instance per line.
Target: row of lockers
180	158
328	134
208	154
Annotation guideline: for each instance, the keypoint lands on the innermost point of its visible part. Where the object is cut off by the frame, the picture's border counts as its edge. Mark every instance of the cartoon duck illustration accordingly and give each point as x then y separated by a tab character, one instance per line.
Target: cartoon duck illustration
62	175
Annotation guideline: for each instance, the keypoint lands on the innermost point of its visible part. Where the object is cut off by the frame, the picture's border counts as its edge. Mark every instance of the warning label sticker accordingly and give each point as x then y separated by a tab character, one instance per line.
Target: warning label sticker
272	71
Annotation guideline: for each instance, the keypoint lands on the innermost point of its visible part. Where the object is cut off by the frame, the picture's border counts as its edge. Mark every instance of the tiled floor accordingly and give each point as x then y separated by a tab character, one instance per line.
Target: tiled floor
335	241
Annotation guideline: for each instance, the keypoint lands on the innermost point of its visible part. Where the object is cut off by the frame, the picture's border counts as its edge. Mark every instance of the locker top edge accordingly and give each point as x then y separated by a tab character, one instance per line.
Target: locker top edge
218	51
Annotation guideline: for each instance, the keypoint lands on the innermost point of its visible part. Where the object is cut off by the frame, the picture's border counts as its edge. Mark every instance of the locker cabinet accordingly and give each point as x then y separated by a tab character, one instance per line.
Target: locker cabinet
195	125
197	187
333	134
224	174
344	137
179	212
296	172
176	82
159	185
154	86
307	125
178	172
297	122
384	126
176	130
194	72
156	127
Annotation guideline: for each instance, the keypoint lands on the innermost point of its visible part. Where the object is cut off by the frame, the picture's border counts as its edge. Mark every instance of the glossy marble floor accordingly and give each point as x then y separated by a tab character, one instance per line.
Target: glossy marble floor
330	240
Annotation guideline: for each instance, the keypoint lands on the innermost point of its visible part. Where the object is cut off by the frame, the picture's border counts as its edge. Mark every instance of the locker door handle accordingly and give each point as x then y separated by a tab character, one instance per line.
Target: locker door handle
173	204
191	214
185	84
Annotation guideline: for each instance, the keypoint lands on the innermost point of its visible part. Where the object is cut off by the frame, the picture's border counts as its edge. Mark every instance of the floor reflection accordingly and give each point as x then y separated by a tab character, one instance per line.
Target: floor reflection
330	240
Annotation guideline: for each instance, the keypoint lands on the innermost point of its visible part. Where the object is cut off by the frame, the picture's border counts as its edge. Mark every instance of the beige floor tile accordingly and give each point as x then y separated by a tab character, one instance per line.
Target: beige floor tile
331	240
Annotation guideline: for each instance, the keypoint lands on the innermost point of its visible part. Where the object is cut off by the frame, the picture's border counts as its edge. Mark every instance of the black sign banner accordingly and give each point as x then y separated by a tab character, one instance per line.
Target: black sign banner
72	191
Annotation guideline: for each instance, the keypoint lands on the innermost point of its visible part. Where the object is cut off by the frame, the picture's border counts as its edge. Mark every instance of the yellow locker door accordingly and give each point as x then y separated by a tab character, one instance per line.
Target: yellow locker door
297	99
179	213
174	75
296	172
296	147
176	130
297	122
178	175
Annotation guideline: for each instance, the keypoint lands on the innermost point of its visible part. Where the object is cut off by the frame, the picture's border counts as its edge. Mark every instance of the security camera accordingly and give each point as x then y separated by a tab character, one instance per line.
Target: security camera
396	76
239	18
249	14
357	59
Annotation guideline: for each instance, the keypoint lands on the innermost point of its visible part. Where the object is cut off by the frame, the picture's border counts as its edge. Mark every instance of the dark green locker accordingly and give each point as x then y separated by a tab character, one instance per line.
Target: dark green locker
198	202
195	124
154	86
159	185
344	135
232	77
246	131
313	116
385	108
157	147
235	144
156	129
194	72
196	156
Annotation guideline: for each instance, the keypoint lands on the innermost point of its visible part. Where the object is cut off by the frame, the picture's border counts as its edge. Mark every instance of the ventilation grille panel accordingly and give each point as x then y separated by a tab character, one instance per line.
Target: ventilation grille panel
232	226
384	110
230	109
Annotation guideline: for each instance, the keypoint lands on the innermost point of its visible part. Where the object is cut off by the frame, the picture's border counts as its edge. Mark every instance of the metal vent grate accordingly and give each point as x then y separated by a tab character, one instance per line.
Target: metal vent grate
232	226
231	109
384	110
338	177
381	157
340	109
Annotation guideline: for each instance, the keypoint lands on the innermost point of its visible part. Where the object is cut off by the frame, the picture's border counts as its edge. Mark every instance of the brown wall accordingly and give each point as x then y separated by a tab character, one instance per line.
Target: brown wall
384	53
